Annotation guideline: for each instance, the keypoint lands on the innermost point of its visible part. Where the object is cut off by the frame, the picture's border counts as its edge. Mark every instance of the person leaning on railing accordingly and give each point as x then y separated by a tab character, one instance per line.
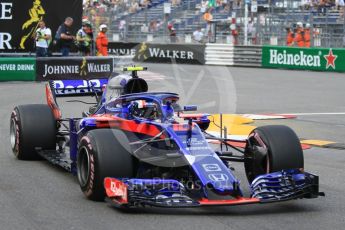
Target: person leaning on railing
306	35
299	35
289	37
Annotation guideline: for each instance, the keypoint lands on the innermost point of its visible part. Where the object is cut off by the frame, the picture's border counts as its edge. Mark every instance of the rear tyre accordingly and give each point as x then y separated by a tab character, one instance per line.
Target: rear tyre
102	153
32	126
270	149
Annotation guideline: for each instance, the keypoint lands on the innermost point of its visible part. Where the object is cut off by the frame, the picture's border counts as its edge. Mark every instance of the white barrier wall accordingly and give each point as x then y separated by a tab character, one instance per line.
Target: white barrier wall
226	54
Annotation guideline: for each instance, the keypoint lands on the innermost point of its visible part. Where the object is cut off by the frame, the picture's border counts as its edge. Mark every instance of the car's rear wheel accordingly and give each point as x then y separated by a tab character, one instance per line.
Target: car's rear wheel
272	148
32	126
102	153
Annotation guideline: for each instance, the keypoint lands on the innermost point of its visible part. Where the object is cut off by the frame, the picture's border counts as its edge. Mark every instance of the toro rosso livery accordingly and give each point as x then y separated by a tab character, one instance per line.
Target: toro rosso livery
138	148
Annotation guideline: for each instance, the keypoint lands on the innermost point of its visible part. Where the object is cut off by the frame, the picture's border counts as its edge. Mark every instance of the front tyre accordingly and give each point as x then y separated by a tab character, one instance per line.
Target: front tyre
102	153
272	148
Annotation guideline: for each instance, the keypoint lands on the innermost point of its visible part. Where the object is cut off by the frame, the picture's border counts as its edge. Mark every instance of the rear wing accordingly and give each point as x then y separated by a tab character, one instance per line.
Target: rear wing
68	88
80	87
63	88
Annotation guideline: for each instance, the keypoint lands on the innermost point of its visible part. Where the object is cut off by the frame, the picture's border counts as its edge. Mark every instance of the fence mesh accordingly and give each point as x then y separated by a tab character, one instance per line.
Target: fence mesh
176	21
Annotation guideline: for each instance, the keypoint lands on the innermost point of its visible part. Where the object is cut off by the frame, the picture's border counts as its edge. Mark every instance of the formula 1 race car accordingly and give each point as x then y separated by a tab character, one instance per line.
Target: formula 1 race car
138	148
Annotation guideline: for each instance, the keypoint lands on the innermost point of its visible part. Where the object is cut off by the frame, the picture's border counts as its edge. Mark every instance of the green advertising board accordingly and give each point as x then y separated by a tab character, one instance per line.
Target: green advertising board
320	59
17	69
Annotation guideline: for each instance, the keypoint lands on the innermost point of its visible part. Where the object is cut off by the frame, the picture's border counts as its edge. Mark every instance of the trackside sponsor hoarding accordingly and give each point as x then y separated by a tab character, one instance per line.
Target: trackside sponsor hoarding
73	68
163	53
321	59
17	69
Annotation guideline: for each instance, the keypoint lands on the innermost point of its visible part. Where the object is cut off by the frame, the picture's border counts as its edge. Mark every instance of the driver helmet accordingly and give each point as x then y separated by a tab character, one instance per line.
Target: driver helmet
116	85
169	110
143	109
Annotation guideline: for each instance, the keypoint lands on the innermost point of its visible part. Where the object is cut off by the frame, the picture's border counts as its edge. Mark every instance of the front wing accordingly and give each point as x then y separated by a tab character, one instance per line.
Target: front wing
273	187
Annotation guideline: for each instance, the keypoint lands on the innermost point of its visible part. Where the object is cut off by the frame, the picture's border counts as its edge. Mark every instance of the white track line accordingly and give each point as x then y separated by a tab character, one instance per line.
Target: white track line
311	114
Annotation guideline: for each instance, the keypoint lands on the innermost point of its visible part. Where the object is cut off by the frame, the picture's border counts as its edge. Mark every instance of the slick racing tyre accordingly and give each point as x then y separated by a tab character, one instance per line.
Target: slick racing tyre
32	126
102	153
270	149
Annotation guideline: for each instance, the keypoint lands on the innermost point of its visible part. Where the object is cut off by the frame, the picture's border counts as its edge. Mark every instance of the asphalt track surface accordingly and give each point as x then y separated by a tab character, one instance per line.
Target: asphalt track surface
35	195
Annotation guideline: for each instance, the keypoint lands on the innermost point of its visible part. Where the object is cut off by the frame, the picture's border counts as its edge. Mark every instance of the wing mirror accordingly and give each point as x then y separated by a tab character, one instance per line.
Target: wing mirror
188	108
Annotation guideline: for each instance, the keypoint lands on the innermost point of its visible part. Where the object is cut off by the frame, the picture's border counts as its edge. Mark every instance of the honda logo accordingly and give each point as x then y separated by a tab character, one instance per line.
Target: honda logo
218	177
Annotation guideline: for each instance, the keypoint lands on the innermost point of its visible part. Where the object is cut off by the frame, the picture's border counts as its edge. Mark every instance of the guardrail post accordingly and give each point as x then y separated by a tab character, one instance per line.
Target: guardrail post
188	38
149	38
116	37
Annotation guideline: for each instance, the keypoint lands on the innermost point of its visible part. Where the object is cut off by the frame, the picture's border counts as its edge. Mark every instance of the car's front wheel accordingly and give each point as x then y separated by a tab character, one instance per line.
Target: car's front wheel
272	148
102	153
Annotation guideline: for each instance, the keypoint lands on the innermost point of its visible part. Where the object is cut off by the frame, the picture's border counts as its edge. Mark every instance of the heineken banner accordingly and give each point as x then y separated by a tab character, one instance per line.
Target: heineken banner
321	59
17	69
164	53
73	68
19	20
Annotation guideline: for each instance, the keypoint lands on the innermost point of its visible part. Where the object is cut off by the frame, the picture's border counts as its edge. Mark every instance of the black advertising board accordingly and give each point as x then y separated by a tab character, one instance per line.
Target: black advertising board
160	53
19	20
73	68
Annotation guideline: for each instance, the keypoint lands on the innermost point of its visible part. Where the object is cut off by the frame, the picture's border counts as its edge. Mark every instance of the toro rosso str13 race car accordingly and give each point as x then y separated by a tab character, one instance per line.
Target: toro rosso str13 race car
137	148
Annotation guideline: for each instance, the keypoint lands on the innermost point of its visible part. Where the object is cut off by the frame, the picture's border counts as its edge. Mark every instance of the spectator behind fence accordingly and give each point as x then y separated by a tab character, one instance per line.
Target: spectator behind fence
43	39
102	41
172	33
307	35
122	29
340	5
251	31
203	6
299	35
198	35
208	18
289	36
66	38
85	39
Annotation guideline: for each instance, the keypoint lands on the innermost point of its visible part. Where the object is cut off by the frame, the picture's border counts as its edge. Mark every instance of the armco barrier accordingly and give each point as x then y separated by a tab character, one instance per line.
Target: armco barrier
320	59
225	54
41	69
17	69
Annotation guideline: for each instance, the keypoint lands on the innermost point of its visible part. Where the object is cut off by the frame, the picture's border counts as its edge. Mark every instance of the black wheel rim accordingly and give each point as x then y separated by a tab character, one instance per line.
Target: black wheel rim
13	136
260	155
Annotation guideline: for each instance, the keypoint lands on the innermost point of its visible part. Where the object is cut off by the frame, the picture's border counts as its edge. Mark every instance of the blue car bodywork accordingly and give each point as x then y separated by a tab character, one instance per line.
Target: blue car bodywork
213	182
